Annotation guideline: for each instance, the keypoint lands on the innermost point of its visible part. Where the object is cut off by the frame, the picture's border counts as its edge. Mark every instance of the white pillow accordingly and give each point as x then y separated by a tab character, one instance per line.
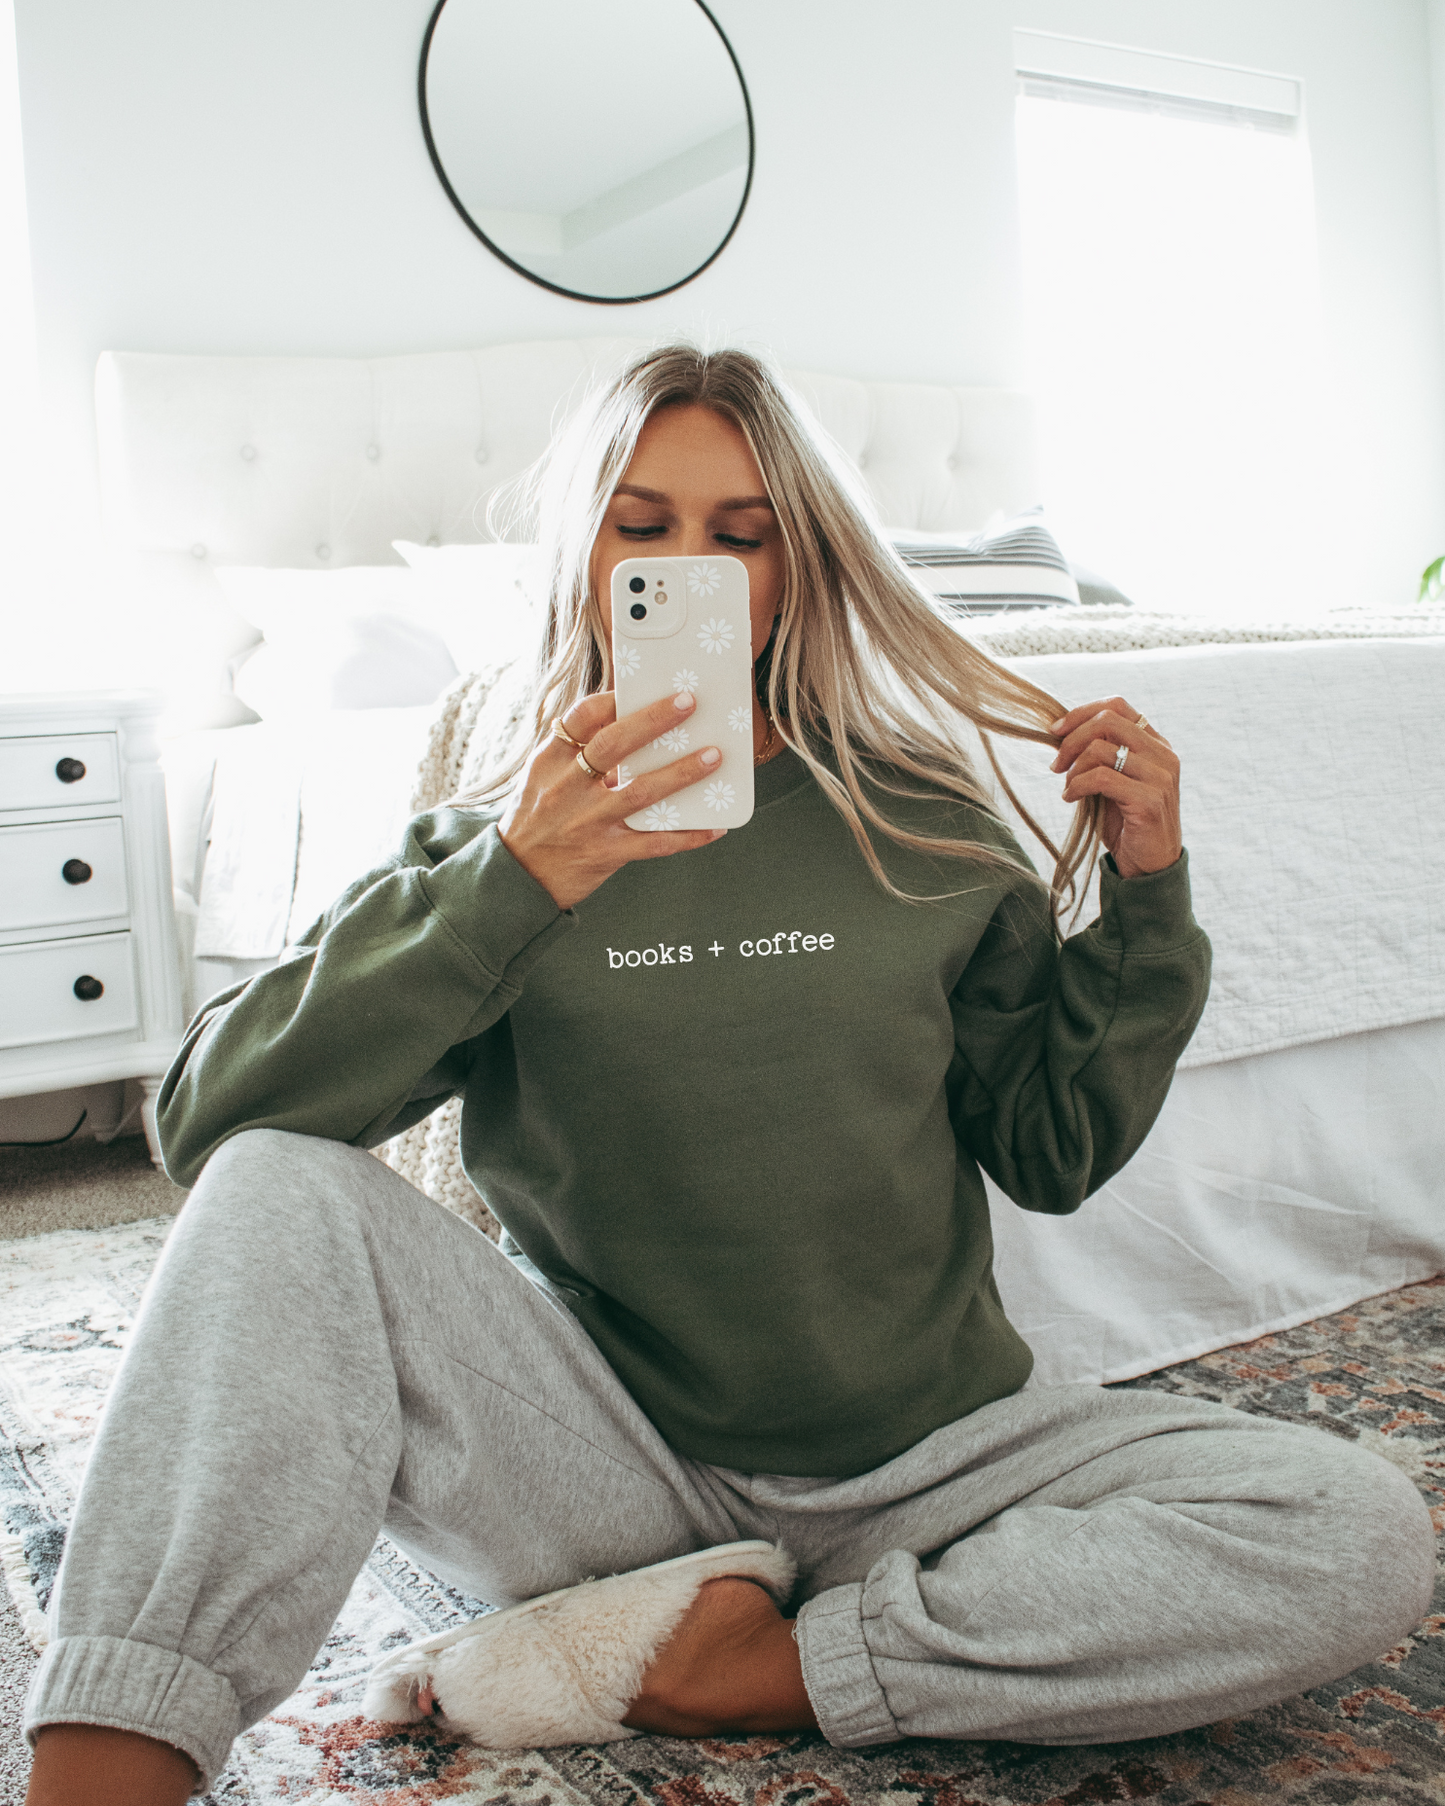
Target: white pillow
484	600
360	638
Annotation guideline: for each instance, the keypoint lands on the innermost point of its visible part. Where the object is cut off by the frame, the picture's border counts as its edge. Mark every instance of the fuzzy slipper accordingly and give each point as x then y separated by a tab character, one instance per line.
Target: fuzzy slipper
562	1668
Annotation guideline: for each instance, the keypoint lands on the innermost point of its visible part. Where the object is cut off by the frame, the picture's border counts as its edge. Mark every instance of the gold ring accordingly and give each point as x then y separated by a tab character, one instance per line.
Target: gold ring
582	762
561	733
1143	721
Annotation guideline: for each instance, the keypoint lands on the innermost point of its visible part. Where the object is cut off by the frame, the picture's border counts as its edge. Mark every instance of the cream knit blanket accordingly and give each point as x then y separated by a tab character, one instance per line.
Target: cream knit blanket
483	712
475	720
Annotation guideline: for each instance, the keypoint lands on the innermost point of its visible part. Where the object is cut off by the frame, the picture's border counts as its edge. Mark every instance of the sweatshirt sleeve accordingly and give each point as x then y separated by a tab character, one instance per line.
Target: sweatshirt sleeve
1065	1054
357	1034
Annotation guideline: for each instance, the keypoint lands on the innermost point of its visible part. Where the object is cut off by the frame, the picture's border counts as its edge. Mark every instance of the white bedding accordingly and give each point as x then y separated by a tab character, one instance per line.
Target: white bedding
297	813
1275	1186
1313	810
1314	814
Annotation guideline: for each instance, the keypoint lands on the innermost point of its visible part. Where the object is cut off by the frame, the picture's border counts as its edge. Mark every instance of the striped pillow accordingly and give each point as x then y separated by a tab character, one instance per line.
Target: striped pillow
1012	564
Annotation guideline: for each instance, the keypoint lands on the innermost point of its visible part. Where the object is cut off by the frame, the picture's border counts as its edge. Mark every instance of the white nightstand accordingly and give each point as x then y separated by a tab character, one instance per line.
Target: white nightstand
90	976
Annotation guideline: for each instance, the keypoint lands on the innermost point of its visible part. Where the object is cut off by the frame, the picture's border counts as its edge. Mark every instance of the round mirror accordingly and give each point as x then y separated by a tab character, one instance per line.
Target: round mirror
603	150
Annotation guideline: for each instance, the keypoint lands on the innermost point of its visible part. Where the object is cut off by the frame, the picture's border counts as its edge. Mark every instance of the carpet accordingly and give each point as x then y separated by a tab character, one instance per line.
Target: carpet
1375	1373
82	1184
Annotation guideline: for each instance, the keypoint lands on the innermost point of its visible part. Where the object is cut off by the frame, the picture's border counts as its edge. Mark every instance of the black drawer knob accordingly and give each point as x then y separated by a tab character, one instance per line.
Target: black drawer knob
76	871
87	989
70	771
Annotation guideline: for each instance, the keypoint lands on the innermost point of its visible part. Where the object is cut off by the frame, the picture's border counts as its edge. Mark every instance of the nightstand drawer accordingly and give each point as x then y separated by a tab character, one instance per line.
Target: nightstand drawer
38	997
44	770
59	872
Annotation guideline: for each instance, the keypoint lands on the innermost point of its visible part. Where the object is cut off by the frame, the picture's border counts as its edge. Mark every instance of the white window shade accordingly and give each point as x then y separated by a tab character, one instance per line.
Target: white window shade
1053	67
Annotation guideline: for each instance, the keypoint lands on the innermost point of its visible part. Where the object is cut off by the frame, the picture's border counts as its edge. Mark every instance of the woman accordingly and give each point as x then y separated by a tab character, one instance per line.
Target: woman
745	1290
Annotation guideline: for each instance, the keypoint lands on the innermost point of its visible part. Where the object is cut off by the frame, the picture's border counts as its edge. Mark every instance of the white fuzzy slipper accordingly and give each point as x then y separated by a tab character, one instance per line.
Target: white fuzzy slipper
562	1668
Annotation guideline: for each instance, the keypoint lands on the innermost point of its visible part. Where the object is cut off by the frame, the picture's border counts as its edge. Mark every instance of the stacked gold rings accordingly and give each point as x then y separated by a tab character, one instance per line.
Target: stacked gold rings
561	733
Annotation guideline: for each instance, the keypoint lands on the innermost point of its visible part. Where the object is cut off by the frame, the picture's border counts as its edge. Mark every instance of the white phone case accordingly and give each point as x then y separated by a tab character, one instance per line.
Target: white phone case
687	627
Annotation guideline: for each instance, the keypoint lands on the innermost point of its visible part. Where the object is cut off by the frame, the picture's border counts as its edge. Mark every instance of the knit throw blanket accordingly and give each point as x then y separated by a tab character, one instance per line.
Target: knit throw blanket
482	715
475	721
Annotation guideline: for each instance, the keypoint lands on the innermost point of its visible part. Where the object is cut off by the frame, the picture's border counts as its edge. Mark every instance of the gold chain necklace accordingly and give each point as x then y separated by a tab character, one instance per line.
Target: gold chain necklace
765	753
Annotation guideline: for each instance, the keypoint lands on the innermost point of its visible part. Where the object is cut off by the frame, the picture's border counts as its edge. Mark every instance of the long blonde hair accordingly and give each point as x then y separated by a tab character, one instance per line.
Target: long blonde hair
865	679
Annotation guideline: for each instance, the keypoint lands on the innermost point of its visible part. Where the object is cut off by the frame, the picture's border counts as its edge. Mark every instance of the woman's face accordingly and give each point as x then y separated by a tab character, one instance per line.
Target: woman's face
693	487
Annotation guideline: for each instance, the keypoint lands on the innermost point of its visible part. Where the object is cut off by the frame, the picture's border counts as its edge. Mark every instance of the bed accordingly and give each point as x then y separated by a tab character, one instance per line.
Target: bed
1295	1168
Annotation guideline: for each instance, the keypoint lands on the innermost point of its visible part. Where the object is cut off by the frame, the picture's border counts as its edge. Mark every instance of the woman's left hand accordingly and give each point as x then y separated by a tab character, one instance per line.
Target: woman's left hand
1141	808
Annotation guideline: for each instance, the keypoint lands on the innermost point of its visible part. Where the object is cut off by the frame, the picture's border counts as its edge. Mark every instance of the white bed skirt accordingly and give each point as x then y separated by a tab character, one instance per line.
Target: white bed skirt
1271	1190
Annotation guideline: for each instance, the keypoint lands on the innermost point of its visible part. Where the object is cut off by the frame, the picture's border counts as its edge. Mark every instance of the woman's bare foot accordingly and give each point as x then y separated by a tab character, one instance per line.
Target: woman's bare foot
731	1665
91	1765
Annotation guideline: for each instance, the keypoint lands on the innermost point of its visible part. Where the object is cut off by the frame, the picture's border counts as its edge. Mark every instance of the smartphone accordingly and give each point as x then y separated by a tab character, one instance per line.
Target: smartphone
684	624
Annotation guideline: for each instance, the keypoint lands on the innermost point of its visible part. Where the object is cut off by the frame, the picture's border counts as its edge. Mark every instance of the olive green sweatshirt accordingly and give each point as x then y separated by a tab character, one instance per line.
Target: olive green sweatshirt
734	1105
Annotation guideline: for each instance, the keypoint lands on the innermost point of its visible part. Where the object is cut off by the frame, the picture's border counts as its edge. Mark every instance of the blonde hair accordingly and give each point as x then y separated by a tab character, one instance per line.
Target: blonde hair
862	666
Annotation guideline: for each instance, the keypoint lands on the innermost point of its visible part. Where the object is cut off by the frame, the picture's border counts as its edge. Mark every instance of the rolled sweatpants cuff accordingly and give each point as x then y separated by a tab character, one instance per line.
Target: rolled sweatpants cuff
136	1687
838	1671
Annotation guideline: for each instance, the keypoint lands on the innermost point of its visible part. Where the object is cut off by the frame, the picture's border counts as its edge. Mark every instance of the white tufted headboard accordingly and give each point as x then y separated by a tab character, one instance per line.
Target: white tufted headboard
322	462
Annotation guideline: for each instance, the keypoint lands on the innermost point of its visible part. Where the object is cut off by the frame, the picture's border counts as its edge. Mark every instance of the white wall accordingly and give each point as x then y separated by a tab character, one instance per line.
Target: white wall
1435	16
212	177
208	177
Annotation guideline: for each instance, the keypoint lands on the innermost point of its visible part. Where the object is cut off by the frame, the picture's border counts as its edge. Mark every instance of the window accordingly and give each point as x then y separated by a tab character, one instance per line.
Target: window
1172	320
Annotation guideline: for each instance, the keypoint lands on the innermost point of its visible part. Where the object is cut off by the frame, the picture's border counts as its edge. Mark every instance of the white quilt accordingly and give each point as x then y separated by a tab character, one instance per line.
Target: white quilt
297	814
1314	814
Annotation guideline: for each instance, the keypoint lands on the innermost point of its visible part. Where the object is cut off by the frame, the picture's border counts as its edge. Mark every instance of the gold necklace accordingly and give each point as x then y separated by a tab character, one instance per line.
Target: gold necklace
761	757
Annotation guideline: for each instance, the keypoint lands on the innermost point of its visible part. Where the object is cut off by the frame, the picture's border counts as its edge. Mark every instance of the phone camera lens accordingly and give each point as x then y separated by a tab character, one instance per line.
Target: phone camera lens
637	585
639	610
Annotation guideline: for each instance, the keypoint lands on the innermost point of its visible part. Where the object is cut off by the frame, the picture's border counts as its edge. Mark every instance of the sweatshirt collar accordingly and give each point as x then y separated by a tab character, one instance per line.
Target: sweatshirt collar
780	777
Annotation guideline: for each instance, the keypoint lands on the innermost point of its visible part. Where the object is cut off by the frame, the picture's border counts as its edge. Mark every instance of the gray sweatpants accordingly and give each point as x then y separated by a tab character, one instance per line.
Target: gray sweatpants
323	1352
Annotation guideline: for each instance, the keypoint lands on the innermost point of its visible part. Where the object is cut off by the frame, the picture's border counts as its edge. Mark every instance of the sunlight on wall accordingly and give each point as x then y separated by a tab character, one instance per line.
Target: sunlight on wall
60	628
1173	329
19	378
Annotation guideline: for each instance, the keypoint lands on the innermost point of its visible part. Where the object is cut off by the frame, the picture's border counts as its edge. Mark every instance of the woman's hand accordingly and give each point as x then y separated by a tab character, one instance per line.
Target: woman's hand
1141	808
568	830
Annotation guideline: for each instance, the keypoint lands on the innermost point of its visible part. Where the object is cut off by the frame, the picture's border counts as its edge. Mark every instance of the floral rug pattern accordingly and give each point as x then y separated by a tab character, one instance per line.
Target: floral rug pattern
1375	1373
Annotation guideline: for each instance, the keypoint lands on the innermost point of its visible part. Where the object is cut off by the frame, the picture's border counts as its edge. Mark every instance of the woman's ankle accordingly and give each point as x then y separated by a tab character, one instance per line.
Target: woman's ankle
731	1665
93	1765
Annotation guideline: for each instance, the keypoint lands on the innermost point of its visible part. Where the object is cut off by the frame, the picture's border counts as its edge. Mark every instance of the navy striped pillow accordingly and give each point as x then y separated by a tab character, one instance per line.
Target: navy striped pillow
1016	564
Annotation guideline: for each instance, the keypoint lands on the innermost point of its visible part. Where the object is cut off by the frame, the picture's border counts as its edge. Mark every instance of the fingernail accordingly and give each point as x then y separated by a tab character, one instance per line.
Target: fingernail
1057	727
683	700
710	755
718	833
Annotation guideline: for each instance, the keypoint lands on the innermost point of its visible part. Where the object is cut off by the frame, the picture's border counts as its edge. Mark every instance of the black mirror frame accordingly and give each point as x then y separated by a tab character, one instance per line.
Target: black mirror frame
541	281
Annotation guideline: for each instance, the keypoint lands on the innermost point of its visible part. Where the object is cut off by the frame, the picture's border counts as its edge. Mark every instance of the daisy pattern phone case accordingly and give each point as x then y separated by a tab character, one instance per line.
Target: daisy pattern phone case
683	624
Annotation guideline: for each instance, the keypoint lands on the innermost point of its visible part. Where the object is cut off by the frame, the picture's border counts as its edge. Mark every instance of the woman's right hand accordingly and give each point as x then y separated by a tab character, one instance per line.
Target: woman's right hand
568	830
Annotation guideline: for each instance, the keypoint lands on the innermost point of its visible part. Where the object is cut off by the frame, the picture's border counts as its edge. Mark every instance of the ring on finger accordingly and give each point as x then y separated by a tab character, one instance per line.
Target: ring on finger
1120	757
561	733
1143	721
584	766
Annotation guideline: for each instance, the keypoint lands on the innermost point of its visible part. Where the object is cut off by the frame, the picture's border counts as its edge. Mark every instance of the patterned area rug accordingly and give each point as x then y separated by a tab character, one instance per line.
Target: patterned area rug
1375	1374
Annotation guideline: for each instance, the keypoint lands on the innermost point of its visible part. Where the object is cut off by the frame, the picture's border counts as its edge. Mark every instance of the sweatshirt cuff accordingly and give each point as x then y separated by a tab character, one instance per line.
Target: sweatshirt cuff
1150	914
495	907
838	1672
139	1687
